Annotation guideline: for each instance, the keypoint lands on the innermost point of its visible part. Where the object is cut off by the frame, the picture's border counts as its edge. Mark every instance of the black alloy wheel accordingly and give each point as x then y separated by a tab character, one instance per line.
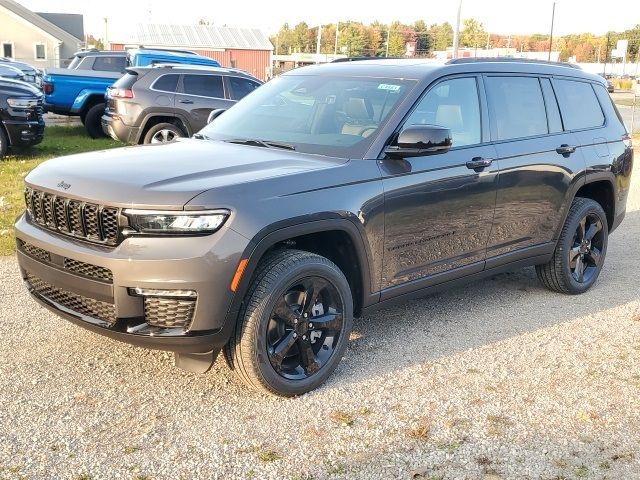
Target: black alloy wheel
586	254
304	328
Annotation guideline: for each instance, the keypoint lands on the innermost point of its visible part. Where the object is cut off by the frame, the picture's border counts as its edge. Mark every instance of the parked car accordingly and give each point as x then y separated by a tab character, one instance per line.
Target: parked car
159	104
21	122
31	74
610	87
11	72
80	91
329	191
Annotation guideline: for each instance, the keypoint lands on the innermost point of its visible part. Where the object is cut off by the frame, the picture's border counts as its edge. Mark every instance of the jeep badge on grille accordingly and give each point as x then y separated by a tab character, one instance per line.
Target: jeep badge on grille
66	186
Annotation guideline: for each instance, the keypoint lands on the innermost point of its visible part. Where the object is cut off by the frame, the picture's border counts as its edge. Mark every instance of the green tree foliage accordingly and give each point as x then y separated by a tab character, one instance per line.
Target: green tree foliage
473	34
442	35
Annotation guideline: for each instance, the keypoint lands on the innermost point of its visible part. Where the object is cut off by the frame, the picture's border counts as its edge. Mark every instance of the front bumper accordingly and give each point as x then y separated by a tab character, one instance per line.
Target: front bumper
144	262
115	128
24	133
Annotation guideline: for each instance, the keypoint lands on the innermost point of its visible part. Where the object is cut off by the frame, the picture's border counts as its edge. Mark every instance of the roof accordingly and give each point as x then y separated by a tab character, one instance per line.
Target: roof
72	23
40	22
195	37
420	69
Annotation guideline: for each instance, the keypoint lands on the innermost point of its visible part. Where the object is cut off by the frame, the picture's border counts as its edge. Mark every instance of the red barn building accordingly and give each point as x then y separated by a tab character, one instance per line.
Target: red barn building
248	49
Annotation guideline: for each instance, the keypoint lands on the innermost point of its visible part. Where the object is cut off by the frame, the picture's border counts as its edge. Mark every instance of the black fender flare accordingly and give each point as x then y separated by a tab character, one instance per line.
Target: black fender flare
280	231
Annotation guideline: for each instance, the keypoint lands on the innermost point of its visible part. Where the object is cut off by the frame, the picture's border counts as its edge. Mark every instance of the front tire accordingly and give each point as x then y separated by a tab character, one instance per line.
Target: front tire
580	251
294	326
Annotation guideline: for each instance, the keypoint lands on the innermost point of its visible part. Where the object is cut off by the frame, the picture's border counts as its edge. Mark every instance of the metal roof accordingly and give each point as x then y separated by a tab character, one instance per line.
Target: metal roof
72	23
40	22
196	36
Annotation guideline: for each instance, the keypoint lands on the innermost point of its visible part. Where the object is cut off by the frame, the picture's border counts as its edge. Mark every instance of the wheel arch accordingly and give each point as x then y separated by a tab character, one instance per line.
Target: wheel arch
155	118
338	239
601	190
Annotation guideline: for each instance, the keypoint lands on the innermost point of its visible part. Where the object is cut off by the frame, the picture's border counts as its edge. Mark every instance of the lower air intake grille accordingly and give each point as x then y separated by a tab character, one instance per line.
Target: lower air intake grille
77	303
88	270
169	312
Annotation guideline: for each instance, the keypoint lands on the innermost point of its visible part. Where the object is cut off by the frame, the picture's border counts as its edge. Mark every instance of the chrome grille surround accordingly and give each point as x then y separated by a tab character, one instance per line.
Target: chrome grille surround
83	220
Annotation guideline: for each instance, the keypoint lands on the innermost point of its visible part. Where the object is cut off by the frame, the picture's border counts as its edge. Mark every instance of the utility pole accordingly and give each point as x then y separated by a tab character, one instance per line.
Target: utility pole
106	33
388	37
606	54
335	49
318	44
553	14
456	32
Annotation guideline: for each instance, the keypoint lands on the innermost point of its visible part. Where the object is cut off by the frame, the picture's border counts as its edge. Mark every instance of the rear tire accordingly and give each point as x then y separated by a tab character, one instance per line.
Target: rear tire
4	142
294	325
580	251
163	133
93	121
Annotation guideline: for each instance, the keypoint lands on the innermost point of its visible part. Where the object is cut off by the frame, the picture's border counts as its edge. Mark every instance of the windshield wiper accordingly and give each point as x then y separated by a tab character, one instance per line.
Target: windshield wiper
261	143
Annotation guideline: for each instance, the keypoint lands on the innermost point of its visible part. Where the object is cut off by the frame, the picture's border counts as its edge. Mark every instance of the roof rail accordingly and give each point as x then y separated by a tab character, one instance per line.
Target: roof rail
455	61
164	49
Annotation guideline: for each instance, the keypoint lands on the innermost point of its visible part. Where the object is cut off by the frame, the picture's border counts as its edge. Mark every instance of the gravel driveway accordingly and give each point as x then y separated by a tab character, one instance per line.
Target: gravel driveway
501	379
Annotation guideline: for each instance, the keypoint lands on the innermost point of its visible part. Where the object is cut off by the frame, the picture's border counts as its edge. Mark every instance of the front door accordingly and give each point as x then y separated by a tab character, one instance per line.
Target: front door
438	209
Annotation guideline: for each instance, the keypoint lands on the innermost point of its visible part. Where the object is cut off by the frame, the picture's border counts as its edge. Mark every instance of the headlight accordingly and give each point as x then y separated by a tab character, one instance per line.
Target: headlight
22	102
185	223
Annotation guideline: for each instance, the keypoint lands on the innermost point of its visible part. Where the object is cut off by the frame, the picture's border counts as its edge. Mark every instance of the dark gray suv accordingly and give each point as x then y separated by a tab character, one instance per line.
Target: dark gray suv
327	192
161	103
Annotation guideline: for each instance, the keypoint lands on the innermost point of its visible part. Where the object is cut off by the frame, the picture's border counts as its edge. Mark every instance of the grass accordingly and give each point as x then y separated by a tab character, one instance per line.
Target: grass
58	141
268	456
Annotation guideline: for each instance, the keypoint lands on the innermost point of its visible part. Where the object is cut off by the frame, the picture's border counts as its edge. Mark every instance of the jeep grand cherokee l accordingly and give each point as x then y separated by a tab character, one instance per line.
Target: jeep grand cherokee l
323	194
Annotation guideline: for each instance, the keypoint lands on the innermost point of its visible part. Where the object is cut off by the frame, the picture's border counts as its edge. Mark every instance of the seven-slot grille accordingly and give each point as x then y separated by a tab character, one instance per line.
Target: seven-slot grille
88	221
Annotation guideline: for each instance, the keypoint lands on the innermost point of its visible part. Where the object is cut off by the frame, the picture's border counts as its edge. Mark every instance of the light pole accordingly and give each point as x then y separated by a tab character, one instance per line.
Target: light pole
335	48
318	44
388	36
553	14
456	33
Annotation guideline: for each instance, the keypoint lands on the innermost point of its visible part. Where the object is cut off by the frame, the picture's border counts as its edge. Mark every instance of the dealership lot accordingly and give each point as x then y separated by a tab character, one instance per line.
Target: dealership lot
501	379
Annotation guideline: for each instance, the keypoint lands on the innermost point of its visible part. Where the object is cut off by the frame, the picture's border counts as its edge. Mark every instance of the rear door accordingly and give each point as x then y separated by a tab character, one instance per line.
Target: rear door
539	162
199	93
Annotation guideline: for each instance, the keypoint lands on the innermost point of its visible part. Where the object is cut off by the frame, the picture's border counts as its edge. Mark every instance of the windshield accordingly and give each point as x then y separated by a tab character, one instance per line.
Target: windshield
335	116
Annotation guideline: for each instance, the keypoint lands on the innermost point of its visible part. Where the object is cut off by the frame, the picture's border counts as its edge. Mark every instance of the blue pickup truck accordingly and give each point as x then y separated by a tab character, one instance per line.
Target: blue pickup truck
80	89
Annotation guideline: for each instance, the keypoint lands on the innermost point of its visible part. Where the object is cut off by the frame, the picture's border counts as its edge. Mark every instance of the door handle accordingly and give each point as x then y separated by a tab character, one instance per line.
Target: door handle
479	163
565	150
186	101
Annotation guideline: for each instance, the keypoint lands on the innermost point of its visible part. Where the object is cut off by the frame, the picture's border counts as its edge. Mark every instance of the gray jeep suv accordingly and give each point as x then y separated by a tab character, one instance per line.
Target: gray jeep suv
161	103
328	192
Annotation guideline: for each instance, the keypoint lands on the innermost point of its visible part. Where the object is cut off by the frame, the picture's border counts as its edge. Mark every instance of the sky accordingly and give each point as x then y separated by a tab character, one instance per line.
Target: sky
498	16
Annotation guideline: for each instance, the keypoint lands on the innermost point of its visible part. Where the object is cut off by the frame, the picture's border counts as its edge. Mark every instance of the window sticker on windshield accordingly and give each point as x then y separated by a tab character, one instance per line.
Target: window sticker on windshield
386	86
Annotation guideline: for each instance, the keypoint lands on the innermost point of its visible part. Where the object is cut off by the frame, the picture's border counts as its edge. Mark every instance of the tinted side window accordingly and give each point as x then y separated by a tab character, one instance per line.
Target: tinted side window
578	104
452	104
241	87
516	107
203	85
166	83
110	64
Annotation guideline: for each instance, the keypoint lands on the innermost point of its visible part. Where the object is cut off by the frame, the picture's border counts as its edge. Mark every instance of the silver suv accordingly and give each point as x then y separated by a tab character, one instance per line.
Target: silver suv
158	104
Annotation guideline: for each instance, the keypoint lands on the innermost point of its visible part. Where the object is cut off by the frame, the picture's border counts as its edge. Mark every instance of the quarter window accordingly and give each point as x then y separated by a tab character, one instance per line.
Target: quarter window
242	87
516	107
203	85
167	83
452	104
579	105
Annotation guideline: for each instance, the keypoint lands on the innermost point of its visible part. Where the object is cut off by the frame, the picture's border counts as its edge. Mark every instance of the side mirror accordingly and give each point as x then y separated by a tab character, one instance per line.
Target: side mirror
419	140
215	114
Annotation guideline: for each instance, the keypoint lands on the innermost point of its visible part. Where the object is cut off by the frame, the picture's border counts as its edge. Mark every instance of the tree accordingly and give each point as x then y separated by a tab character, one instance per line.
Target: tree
442	36
473	34
424	43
